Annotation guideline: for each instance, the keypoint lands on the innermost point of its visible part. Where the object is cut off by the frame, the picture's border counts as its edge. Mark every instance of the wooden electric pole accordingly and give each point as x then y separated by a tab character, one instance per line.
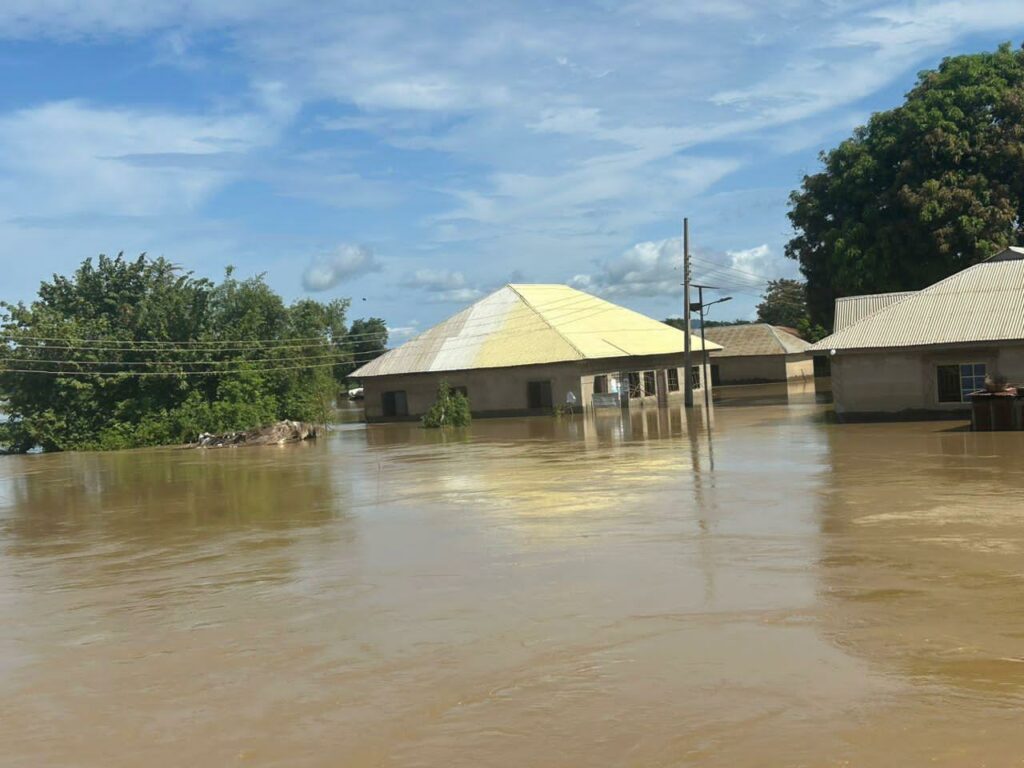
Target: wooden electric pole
687	351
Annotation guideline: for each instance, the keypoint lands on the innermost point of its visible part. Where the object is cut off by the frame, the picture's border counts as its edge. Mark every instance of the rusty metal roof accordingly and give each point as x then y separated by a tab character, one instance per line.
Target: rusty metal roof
529	325
752	339
984	302
850	309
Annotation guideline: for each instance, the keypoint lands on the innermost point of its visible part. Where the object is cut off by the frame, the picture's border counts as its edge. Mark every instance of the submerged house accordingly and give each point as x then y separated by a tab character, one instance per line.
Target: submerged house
755	353
525	349
921	353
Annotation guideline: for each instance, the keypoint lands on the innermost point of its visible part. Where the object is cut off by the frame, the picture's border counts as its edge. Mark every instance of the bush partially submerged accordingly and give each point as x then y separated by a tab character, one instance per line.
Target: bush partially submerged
451	409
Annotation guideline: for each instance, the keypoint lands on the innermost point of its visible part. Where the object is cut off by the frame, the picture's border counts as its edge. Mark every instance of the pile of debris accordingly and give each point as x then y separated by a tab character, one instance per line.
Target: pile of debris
276	434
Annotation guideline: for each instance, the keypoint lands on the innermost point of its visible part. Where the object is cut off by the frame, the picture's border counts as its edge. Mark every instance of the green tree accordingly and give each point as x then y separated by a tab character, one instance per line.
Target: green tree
451	409
368	339
126	352
784	303
921	191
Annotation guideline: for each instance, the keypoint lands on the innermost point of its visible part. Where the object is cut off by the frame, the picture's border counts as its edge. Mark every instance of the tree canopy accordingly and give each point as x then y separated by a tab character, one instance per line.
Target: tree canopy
784	303
920	192
126	353
369	339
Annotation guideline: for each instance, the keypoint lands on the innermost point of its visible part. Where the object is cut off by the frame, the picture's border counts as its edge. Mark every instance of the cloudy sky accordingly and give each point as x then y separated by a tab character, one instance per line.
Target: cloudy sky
414	156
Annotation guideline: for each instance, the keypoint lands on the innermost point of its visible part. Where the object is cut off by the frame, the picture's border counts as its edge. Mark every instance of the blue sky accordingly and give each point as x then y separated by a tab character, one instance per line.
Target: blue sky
419	155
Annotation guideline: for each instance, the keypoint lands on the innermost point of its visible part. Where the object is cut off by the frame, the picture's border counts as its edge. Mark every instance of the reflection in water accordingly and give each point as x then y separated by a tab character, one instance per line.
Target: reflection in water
793	392
622	589
924	548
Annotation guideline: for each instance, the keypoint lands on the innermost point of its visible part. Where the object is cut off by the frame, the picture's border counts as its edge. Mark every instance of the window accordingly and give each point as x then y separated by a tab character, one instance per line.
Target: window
649	386
956	382
634	384
695	376
394	403
716	374
600	384
673	379
538	394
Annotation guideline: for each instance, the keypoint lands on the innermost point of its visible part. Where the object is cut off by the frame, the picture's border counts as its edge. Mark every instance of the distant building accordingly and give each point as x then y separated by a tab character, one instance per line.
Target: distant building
850	309
756	353
525	349
919	354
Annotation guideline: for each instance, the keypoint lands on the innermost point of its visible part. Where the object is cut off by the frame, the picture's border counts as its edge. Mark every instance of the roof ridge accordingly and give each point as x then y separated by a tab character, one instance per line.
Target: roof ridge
912	295
774	332
777	330
909	295
539	314
872	295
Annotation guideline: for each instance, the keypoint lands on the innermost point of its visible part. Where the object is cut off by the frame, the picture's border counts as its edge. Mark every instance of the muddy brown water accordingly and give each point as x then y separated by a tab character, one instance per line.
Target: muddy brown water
539	592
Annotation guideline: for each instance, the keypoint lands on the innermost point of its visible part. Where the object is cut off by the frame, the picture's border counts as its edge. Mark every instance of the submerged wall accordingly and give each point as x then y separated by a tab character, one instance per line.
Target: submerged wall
904	383
759	369
503	391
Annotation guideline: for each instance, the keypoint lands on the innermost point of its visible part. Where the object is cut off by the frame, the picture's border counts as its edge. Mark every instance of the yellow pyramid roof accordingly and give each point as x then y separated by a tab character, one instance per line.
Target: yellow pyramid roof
526	324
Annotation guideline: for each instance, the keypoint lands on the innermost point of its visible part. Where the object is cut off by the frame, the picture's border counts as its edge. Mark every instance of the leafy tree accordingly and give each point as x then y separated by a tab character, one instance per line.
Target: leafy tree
126	353
451	409
784	303
920	192
369	339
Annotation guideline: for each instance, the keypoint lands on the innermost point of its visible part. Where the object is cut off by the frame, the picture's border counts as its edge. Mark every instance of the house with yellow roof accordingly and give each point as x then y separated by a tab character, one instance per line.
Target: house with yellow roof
525	349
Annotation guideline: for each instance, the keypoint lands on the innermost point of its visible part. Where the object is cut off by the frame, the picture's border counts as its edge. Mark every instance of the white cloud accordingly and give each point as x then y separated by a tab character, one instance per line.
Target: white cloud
655	268
540	138
443	285
401	333
752	261
65	158
346	263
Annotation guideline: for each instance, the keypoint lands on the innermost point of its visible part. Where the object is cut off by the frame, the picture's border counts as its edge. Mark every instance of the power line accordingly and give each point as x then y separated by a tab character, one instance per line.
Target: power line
725	275
148	374
235	361
241	344
729	267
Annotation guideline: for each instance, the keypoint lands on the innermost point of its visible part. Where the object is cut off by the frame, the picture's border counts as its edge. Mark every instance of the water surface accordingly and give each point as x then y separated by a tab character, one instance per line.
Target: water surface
537	592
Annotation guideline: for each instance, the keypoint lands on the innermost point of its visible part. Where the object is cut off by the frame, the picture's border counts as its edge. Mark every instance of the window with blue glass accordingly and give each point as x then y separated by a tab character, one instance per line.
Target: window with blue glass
956	382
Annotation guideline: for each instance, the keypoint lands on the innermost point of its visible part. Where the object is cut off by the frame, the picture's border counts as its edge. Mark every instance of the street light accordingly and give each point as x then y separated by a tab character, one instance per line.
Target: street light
700	306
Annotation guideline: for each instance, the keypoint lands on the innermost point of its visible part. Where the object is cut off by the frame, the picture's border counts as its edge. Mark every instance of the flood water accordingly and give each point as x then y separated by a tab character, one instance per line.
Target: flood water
538	592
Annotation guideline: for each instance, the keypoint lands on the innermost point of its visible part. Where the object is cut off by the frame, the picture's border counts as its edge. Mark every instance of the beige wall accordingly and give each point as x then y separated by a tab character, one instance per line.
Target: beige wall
906	382
497	391
489	389
799	367
752	369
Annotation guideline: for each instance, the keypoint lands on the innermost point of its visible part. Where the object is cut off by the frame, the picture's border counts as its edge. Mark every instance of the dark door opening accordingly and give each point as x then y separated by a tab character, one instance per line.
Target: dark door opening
394	403
538	395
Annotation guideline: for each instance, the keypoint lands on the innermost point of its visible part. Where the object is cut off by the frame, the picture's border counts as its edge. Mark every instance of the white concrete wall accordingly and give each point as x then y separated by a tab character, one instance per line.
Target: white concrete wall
906	381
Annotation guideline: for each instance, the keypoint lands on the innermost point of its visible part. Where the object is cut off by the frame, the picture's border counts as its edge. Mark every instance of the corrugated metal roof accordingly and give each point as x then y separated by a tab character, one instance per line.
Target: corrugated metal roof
850	309
755	339
982	303
529	325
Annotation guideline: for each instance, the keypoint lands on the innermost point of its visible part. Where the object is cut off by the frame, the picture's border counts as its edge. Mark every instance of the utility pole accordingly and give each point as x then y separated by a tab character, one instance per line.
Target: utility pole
701	306
687	351
704	351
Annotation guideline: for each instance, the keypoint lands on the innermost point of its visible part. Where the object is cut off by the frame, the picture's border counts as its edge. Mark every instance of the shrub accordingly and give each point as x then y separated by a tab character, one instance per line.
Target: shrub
451	409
